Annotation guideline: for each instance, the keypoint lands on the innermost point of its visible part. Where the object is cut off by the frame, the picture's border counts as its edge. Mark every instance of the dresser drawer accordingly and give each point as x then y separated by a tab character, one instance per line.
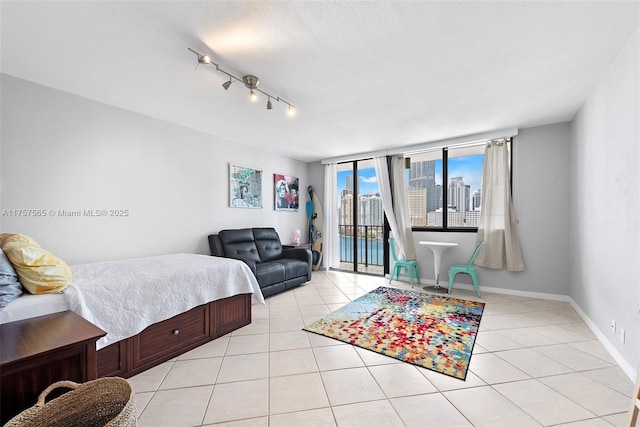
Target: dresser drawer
171	336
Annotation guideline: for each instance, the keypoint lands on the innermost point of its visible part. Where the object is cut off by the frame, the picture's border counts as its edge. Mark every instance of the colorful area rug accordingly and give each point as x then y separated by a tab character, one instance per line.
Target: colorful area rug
432	331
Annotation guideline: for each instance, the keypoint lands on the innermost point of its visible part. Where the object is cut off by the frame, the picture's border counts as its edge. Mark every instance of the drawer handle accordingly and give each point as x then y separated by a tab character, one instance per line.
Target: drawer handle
176	331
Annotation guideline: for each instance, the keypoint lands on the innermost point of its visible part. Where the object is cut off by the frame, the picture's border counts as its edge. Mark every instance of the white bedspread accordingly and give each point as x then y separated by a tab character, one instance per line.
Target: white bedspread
124	297
28	306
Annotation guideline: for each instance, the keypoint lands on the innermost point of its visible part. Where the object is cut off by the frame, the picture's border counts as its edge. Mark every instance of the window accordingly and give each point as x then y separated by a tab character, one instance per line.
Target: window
461	169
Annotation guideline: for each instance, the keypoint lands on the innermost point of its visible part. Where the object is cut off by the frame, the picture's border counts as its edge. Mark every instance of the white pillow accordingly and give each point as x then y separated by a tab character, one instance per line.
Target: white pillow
6	269
10	287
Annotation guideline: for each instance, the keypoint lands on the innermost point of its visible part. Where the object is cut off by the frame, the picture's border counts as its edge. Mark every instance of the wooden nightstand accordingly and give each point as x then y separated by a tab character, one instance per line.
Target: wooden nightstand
37	352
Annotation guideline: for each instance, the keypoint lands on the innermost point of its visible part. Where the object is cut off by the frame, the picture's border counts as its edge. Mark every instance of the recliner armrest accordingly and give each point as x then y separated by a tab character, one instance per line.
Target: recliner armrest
251	264
215	244
301	254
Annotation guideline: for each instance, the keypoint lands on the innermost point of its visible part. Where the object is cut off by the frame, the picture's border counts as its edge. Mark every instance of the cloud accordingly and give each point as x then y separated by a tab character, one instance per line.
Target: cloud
369	180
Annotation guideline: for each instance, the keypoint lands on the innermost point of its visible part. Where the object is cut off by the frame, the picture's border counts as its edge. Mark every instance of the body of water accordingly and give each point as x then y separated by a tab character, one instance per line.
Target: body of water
374	252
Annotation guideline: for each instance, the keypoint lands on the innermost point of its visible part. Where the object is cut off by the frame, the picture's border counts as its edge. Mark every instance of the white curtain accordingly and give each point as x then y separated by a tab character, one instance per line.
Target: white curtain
497	222
331	248
396	204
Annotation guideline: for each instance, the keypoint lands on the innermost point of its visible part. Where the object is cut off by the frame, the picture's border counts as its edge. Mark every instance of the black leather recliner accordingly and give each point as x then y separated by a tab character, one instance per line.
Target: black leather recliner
275	268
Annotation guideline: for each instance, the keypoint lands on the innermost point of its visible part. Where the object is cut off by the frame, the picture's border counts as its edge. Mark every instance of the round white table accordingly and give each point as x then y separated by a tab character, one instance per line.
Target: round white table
437	248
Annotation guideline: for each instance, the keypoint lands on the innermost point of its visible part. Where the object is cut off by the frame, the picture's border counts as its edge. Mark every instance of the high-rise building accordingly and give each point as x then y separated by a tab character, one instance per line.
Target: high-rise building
467	197
423	175
434	219
346	210
473	218
417	206
456	219
420	173
458	195
476	200
371	212
349	183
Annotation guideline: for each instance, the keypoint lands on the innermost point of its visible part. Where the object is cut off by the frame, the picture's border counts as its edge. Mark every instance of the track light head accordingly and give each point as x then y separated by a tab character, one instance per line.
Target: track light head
226	85
251	82
269	104
292	110
204	59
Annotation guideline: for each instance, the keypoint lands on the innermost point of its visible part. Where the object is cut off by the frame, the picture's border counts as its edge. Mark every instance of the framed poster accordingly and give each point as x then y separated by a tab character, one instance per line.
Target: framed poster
286	192
245	187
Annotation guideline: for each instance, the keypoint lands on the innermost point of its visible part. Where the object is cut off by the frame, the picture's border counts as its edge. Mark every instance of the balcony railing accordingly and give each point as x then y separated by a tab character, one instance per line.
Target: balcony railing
369	244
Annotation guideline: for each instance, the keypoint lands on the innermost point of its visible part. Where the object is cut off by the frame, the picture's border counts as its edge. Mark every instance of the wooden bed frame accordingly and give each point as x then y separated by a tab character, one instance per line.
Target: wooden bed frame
172	337
62	346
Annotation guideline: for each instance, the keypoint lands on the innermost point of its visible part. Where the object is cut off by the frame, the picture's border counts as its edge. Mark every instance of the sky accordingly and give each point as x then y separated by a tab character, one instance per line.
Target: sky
469	167
368	182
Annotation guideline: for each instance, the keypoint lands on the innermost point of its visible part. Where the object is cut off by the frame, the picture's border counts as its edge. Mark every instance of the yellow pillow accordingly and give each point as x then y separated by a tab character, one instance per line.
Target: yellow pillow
12	237
39	271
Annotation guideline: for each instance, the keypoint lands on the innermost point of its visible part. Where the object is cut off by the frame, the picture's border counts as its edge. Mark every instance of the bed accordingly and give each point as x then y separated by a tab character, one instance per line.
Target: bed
153	308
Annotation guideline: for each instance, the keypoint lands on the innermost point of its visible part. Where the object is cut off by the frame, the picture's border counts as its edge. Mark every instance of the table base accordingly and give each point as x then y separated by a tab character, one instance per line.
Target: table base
436	289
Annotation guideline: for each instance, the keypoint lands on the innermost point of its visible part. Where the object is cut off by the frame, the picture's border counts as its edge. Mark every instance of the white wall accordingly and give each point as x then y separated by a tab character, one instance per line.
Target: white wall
61	151
605	203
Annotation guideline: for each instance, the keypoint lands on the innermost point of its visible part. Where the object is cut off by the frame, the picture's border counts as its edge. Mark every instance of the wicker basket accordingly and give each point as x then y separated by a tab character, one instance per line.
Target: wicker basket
108	401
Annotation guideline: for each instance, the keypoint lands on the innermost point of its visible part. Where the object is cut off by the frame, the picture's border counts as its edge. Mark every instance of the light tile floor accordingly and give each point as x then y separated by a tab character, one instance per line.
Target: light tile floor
535	363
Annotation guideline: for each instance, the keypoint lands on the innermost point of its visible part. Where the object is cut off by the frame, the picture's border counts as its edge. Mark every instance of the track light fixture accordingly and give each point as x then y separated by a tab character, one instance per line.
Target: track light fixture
249	81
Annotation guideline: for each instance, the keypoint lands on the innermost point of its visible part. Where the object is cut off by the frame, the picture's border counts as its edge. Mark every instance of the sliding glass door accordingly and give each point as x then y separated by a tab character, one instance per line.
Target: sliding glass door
360	218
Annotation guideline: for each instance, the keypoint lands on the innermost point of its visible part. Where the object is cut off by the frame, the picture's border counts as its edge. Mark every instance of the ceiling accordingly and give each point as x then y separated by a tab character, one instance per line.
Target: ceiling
364	76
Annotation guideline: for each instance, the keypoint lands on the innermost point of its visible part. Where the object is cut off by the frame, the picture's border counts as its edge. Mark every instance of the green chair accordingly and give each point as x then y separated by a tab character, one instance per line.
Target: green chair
467	268
399	264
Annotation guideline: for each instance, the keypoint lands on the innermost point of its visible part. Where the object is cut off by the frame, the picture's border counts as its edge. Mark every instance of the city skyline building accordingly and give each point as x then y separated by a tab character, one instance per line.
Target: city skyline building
417	206
457	195
371	212
476	200
423	175
349	183
454	218
346	210
467	197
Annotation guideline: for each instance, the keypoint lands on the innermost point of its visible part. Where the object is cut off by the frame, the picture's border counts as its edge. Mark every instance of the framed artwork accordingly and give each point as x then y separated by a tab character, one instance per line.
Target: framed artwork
286	192
245	187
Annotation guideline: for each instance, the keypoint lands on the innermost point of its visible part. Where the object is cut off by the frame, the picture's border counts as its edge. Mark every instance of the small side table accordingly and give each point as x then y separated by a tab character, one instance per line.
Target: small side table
37	352
293	246
437	248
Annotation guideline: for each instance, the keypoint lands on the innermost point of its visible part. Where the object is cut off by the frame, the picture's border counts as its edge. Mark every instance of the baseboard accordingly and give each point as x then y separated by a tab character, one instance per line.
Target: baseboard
528	294
628	369
445	284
